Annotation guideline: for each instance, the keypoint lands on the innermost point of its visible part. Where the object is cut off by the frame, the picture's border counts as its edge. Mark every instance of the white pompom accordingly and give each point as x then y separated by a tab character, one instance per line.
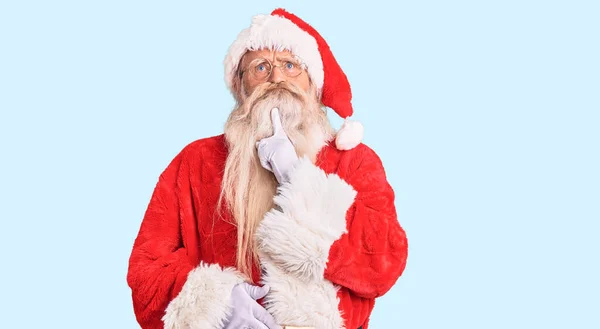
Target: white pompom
350	134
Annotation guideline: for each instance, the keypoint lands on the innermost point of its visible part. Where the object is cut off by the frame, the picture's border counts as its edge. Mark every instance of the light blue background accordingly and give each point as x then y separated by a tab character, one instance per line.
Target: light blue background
485	113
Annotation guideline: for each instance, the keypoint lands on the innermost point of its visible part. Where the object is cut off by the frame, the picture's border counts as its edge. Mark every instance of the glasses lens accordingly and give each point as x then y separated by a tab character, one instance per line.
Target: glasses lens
261	70
291	68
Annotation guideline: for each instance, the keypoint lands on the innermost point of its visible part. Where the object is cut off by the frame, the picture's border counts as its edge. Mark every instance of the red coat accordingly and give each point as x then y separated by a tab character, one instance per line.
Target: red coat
328	250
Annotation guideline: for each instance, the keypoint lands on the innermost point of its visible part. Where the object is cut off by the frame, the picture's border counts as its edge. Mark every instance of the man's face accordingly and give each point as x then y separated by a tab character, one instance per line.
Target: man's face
274	79
262	66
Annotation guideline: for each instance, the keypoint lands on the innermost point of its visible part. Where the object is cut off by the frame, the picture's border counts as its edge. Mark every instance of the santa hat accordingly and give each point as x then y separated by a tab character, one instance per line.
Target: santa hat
282	30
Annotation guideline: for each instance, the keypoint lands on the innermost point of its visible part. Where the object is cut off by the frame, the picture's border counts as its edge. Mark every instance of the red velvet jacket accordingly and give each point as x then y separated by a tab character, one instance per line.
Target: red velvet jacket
330	247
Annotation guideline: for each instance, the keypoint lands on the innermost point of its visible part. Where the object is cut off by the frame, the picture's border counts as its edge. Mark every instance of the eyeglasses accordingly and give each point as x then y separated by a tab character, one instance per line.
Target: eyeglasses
261	68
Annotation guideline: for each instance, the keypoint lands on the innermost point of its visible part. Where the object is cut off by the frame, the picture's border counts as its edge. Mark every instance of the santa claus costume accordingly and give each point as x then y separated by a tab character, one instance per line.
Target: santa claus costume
329	248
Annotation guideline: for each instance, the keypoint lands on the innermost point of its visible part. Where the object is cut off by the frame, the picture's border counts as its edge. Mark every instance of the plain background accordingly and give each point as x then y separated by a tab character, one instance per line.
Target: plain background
485	113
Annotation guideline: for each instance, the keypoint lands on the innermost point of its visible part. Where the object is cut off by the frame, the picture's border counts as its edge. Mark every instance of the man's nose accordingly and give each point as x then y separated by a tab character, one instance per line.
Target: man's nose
276	75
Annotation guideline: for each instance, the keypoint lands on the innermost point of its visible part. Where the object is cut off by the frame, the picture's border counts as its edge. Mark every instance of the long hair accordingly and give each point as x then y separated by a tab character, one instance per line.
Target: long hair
247	188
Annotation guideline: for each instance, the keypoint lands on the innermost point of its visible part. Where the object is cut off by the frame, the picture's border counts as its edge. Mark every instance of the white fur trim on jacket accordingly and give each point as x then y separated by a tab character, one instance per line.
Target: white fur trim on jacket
279	33
294	302
204	300
311	217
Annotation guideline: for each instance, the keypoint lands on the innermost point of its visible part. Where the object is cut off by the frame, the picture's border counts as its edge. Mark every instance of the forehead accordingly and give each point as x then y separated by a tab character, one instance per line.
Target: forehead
266	53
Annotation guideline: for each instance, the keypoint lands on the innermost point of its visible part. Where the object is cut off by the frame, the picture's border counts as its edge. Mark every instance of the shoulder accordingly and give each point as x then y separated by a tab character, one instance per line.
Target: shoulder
197	151
204	145
367	163
207	148
365	154
359	165
361	157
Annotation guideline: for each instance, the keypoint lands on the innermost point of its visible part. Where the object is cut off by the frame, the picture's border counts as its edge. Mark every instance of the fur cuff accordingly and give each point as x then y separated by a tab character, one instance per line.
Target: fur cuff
204	299
297	303
311	217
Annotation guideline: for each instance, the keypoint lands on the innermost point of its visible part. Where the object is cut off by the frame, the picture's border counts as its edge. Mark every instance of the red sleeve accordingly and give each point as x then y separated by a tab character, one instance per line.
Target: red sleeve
158	264
170	290
341	227
370	258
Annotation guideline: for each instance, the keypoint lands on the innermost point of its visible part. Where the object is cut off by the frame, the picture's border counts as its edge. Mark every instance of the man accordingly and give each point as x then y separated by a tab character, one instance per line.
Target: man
278	222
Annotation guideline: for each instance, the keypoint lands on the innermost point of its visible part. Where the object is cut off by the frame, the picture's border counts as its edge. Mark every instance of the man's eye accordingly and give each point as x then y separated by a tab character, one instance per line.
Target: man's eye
289	65
261	67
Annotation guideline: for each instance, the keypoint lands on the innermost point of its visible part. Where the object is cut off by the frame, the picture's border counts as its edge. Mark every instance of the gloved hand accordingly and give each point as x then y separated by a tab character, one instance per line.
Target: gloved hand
247	313
277	153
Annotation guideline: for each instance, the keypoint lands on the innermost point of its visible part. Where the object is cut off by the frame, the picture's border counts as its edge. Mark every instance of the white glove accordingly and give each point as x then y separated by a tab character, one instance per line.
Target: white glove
277	153
247	313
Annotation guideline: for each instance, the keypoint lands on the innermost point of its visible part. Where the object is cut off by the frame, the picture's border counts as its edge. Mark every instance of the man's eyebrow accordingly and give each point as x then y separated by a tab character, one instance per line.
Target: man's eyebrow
287	58
255	61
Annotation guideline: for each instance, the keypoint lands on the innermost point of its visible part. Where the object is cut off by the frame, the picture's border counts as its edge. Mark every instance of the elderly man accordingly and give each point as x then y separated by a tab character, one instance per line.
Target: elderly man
280	222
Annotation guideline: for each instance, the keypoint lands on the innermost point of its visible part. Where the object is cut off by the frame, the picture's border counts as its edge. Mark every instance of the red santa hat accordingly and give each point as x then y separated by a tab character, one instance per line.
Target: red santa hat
282	30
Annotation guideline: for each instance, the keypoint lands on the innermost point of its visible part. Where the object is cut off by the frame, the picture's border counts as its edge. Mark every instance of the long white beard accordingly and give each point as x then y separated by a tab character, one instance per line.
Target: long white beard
247	188
303	119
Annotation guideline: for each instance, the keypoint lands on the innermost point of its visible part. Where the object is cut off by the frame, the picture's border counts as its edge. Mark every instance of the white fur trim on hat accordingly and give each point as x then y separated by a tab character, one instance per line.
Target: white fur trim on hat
350	134
278	33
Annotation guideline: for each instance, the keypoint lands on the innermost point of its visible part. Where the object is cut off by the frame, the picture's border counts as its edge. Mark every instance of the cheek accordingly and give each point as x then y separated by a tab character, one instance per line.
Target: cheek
248	86
304	82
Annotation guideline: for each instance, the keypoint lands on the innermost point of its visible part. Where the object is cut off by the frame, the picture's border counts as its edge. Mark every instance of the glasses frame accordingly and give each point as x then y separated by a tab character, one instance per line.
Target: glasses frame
259	60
